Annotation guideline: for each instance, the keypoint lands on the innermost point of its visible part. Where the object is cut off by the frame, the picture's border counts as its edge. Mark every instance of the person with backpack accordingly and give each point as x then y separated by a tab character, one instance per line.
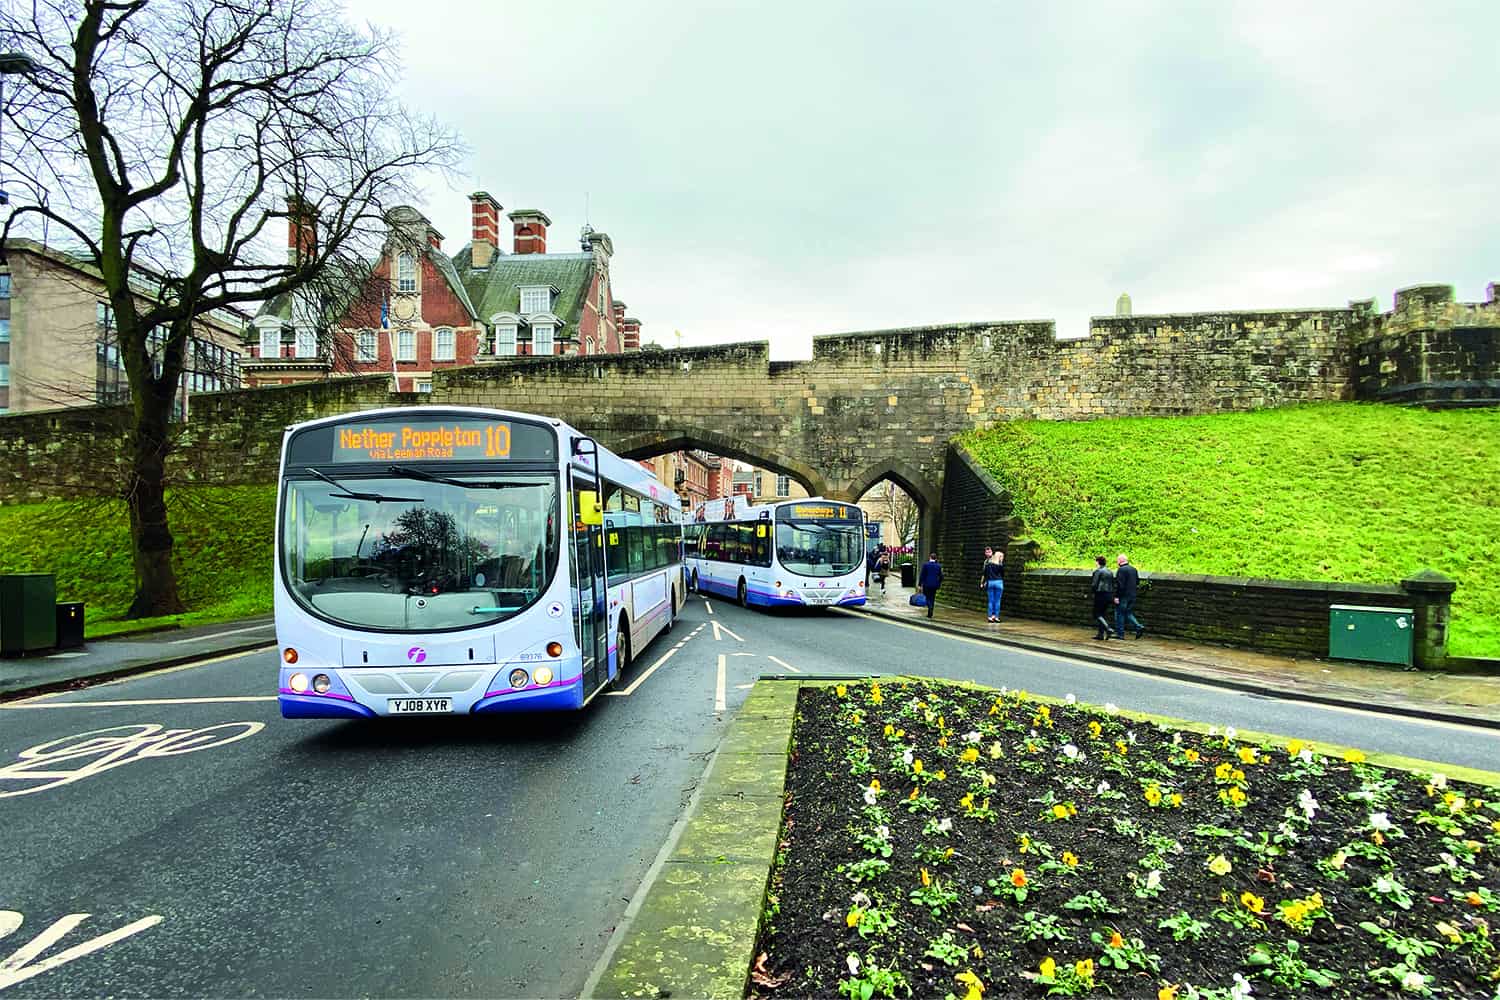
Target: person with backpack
1102	586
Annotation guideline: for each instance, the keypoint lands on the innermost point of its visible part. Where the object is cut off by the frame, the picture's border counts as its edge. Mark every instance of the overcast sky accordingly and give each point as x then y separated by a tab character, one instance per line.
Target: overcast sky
779	170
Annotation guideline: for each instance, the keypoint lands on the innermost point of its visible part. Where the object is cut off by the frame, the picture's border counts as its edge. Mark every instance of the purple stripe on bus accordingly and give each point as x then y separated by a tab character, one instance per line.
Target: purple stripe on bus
310	692
534	687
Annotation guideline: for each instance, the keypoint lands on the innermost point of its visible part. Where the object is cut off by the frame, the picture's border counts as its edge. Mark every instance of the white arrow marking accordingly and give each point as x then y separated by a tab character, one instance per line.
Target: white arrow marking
719	703
720	628
710	607
18	968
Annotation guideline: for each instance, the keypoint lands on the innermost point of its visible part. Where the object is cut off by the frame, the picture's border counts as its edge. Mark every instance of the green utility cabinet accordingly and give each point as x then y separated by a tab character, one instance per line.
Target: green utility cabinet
28	613
1376	635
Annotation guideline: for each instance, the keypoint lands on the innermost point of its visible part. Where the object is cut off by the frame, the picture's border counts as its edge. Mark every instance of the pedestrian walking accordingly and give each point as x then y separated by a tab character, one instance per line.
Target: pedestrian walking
882	567
1102	586
992	581
930	580
1127	584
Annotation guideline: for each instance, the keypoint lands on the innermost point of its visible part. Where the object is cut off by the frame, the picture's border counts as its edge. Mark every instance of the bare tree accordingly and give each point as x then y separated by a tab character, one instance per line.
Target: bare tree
191	133
903	512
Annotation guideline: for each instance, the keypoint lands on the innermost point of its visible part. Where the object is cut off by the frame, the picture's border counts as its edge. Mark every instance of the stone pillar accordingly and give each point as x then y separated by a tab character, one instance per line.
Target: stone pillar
928	533
1431	594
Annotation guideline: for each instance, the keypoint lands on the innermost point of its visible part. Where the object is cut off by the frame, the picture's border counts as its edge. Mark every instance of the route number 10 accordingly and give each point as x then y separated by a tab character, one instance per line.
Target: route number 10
497	441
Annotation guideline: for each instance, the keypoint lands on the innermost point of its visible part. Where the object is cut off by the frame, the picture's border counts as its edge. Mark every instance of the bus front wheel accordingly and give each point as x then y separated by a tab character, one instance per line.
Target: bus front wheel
743	595
622	651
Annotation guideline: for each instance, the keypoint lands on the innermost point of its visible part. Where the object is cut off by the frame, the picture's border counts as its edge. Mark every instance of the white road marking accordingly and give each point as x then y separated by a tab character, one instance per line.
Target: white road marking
47	765
64	656
149	673
720	628
138	701
18	967
642	679
1296	702
719	703
784	664
710	607
743	687
741	654
216	635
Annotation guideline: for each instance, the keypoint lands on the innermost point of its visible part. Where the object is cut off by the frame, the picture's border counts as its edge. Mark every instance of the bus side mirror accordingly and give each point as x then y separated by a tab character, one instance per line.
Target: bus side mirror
588	508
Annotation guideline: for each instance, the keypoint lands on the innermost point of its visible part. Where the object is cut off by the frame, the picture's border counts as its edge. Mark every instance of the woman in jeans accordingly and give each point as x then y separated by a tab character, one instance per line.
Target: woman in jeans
993	580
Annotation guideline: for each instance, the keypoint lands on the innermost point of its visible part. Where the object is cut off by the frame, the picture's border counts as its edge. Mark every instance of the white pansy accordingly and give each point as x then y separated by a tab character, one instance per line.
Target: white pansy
869	796
944	825
1230	732
1384	884
1153	880
906	758
1305	756
1439	781
853	962
1241	988
1110	707
1070	699
1177	739
1380	821
972	736
883	832
1414	982
1213	730
1307	803
1130	736
860	900
1070	751
1103	787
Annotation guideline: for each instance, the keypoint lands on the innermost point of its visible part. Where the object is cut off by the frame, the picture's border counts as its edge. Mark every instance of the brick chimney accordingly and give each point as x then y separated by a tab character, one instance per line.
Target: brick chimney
301	231
486	235
630	334
531	230
434	238
619	315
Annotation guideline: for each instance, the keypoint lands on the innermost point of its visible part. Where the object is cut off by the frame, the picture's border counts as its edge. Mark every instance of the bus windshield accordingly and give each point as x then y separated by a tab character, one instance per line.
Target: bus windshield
820	548
410	552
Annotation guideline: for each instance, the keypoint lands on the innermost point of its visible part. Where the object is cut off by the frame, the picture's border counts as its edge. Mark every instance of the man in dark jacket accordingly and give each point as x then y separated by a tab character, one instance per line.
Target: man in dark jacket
1102	587
930	580
1127	584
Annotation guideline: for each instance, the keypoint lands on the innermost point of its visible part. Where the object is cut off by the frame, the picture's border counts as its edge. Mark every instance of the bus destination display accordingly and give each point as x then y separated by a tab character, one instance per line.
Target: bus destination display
457	439
818	512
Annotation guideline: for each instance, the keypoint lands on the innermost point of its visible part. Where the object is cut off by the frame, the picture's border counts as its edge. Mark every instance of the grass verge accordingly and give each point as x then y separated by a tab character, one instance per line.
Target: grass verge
1341	491
945	841
222	553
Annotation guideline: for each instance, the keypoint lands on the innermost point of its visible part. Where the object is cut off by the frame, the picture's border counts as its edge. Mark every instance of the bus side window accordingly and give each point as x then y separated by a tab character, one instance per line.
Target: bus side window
614	554
634	544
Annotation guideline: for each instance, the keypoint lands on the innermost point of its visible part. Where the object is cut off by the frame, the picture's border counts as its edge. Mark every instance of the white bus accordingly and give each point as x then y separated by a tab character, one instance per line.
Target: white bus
794	553
448	561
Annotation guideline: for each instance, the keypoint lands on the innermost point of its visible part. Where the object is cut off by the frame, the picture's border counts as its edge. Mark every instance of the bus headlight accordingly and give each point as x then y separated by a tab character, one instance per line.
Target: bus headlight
518	678
543	675
321	683
297	682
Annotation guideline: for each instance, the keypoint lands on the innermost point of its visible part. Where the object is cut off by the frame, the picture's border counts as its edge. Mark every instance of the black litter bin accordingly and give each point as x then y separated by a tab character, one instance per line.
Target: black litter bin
70	625
908	575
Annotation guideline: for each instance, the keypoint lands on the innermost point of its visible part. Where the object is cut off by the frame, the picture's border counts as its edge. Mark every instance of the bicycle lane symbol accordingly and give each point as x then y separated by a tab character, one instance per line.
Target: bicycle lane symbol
22	963
60	762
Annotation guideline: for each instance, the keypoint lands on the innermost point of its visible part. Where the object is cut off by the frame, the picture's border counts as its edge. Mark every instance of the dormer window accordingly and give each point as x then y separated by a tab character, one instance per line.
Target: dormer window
541	339
406	273
505	340
307	343
270	341
536	299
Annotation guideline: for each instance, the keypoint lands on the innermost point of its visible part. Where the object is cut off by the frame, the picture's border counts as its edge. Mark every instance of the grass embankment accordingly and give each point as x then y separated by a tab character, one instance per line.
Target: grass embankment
1341	491
222	554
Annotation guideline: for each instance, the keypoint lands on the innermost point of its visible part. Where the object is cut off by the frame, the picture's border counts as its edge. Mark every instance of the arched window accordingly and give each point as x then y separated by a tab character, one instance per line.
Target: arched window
406	273
442	344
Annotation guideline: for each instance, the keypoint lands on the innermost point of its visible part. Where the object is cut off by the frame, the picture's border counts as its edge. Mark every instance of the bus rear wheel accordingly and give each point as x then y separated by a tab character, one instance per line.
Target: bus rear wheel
696	588
743	596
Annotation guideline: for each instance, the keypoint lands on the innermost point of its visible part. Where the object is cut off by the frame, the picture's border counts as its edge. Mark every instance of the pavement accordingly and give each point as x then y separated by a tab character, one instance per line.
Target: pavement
1465	698
107	657
224	851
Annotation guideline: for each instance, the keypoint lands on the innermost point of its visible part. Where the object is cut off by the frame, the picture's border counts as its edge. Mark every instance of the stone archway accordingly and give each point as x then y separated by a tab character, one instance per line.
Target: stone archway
649	444
928	497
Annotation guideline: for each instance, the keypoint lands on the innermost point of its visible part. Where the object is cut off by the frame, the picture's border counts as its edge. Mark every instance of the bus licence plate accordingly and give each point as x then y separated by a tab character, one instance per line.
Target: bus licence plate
419	706
820	597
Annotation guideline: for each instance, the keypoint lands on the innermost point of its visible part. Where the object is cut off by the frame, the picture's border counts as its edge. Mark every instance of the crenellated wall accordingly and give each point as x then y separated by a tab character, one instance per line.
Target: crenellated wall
867	406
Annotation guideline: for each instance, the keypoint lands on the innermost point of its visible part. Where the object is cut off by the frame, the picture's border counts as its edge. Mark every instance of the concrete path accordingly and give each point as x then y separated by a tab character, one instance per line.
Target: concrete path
1458	697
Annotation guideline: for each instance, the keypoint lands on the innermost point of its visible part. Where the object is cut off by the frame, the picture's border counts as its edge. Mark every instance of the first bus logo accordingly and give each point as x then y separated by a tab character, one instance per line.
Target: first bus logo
416	654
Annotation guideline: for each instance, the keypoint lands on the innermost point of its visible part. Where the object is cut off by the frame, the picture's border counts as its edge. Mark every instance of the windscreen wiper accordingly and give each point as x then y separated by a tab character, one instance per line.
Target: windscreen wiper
427	477
349	494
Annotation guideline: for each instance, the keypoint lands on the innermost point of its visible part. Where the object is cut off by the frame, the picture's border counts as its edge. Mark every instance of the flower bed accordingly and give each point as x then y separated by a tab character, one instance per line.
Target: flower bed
941	841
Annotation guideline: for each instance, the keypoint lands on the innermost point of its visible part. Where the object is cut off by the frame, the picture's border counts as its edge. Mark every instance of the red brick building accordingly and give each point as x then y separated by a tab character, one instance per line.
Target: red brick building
415	310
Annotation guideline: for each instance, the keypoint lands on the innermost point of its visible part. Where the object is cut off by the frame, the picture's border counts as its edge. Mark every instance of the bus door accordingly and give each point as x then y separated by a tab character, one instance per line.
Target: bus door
589	609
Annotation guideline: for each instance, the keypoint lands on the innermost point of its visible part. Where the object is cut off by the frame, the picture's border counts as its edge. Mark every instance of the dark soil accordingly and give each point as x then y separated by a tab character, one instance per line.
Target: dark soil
807	939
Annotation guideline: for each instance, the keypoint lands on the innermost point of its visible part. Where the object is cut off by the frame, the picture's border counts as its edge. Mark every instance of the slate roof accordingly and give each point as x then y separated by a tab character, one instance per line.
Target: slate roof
280	306
497	289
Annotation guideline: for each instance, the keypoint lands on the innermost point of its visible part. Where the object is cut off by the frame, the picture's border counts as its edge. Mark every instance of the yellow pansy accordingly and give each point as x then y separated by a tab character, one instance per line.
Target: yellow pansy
840	690
1060	811
975	988
916	766
1049	967
1070	859
1120	746
1247	755
1153	795
1176	800
1085	970
875	784
1191	756
941	775
926	878
1252	902
1222	771
970	755
875	694
1293	748
1168	992
1025	843
967	801
1018	878
1219	865
854	917
1354	757
890	730
1095	730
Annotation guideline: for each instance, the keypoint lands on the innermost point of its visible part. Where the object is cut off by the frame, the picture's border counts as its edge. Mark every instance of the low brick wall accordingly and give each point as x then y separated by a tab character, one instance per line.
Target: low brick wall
1288	616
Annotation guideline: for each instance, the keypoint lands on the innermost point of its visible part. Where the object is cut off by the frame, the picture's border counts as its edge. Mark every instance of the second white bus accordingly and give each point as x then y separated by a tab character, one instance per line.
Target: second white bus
796	553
